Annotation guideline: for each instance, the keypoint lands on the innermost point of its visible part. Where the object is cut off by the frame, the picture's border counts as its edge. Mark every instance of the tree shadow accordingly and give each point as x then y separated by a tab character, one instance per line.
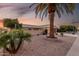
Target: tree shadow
54	40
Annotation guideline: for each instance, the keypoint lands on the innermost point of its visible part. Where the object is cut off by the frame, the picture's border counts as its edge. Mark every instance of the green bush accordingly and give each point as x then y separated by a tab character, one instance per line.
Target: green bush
67	28
12	40
12	23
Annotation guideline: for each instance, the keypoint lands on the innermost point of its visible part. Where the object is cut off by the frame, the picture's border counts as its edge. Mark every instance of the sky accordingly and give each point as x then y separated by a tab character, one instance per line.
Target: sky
26	15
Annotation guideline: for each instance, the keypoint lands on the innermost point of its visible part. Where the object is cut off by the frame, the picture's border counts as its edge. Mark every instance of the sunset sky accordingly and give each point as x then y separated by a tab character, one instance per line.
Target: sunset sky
26	15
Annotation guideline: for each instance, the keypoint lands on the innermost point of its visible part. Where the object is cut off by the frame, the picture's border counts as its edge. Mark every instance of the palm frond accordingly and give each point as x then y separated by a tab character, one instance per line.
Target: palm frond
44	14
58	13
32	5
41	9
69	8
59	7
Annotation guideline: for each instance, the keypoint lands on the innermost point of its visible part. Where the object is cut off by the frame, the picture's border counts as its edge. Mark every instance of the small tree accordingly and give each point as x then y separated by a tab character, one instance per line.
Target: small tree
11	41
12	23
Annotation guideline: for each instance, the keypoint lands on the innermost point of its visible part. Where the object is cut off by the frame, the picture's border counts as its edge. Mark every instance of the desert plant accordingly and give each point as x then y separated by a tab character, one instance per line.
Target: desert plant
11	41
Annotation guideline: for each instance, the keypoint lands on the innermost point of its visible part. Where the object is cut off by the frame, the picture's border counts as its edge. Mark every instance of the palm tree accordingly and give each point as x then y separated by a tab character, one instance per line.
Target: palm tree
44	9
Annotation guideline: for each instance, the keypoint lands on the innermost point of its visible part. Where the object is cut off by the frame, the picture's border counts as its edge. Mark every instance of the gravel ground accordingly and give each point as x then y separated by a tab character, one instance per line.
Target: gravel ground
43	46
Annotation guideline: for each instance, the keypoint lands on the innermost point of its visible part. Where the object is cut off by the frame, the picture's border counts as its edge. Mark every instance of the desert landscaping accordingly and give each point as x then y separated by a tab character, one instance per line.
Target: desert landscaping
40	45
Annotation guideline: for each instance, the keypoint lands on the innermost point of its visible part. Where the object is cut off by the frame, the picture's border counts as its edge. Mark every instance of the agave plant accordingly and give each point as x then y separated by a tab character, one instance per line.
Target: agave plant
12	40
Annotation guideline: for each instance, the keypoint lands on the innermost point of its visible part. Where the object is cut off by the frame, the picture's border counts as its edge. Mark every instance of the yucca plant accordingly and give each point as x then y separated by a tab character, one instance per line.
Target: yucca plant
12	40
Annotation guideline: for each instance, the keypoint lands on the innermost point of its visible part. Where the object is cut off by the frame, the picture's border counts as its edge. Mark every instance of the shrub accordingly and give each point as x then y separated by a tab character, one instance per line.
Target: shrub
12	40
67	28
12	23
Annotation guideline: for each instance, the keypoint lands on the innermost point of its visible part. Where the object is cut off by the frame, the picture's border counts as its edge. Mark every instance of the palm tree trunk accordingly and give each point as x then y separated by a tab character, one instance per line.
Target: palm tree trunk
51	18
51	11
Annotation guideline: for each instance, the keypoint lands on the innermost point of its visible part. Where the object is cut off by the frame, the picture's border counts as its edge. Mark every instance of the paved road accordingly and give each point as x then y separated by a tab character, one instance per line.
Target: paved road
74	51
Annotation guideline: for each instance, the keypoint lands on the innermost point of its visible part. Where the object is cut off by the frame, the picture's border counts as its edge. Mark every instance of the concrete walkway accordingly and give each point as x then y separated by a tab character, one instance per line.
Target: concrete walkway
74	51
73	35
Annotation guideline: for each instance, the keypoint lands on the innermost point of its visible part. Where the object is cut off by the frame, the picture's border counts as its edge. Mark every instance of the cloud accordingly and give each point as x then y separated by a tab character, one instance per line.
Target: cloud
12	9
23	9
2	5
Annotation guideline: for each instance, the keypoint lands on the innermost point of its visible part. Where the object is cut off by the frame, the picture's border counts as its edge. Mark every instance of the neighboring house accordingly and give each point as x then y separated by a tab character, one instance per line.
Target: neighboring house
36	27
32	27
